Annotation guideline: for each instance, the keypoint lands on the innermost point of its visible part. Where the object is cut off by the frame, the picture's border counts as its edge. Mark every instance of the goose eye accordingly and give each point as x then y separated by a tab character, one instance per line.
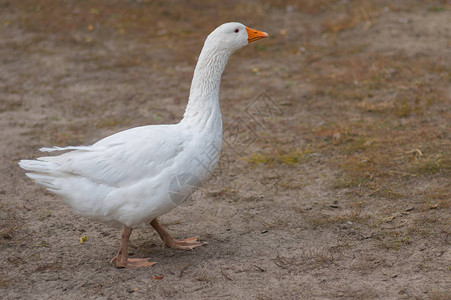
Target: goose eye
237	30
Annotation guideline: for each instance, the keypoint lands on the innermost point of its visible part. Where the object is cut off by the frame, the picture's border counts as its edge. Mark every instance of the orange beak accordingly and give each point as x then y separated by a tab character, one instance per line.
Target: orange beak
254	35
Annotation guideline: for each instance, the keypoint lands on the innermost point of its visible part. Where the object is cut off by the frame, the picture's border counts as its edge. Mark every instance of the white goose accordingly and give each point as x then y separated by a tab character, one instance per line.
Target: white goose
130	178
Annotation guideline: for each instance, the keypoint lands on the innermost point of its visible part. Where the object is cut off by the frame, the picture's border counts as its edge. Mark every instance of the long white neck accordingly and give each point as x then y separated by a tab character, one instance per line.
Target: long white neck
204	94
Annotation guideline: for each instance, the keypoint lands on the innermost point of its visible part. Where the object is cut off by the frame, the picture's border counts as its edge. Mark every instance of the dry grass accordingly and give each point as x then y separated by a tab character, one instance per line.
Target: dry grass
386	132
390	132
10	104
353	216
305	6
141	19
307	260
279	157
9	224
365	12
395	94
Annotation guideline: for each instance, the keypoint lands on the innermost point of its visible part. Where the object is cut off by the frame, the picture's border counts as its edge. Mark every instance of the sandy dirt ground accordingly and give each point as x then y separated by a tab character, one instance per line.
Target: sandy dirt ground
334	180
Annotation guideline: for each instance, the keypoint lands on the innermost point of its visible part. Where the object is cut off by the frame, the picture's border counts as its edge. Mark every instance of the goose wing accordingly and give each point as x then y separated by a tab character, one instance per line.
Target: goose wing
119	159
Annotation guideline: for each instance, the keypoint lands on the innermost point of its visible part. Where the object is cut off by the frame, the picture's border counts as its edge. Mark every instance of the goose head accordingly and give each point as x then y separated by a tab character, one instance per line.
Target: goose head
218	47
230	37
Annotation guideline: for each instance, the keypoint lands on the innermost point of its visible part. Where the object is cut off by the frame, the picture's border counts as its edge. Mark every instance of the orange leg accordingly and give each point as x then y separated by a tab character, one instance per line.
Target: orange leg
122	260
168	240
